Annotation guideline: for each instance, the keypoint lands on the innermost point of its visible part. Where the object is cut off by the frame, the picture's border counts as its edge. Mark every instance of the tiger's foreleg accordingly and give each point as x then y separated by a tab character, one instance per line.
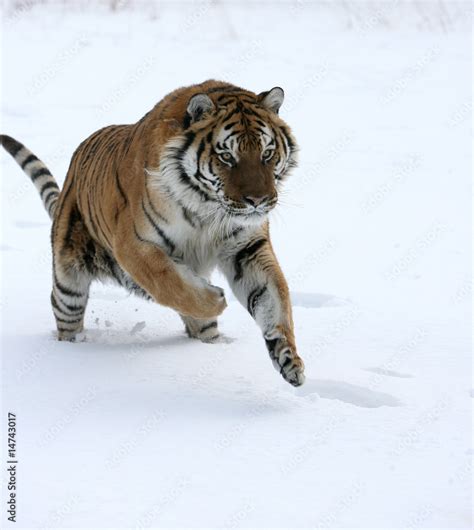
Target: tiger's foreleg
257	281
170	283
203	329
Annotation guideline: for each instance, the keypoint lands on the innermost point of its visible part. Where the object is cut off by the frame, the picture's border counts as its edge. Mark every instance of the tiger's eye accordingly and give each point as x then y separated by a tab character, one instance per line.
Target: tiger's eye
267	154
227	157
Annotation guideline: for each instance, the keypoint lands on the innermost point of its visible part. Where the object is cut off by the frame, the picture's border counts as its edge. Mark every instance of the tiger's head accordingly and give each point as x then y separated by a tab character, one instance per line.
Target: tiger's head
235	151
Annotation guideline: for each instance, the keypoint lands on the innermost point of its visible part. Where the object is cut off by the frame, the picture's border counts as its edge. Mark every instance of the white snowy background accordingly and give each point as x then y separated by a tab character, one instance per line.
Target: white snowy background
140	426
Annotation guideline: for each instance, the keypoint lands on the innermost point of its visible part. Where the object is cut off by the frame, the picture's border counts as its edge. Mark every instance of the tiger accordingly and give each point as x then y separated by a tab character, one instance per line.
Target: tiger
158	205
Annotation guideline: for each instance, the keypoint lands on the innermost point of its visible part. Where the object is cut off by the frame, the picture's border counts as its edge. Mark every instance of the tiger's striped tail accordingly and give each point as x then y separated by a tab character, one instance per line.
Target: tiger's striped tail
36	170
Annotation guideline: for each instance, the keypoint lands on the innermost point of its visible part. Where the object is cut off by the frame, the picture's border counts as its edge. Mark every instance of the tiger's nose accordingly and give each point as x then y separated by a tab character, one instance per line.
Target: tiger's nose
255	201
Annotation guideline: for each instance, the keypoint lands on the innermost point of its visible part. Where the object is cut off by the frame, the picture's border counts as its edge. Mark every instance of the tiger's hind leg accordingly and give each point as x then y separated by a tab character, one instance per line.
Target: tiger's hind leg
74	267
203	329
69	300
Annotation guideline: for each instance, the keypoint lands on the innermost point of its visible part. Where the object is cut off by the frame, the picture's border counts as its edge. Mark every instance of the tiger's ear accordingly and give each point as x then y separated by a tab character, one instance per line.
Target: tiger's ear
199	105
272	99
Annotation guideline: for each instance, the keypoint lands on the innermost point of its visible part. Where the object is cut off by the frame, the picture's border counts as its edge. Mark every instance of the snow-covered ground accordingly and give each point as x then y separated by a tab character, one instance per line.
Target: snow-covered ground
139	426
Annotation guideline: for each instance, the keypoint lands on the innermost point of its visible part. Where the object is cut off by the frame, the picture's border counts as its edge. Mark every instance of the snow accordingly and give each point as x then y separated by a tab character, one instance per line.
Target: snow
139	426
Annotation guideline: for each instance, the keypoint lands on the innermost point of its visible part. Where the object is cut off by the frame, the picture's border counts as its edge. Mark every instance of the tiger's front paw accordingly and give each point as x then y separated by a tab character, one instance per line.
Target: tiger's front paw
203	302
199	299
210	302
286	360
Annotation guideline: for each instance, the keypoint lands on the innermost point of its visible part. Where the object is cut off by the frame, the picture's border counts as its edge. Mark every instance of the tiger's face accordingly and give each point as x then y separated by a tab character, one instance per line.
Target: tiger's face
237	151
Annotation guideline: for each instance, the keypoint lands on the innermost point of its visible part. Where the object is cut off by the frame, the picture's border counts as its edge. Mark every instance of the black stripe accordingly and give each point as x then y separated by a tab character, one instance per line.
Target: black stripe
119	187
64	321
142	239
68	330
28	159
65	290
226	100
186	120
250	111
74	217
246	254
188	216
230	125
253	299
261	131
109	266
208	326
233	133
47	186
50	207
271	343
39	173
89	256
235	110
70	309
171	246
185	179
286	134
200	150
55	304
201	177
153	209
190	136
53	193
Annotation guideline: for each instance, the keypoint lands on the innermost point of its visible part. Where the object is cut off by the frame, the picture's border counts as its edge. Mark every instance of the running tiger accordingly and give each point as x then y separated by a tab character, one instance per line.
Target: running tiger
157	205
